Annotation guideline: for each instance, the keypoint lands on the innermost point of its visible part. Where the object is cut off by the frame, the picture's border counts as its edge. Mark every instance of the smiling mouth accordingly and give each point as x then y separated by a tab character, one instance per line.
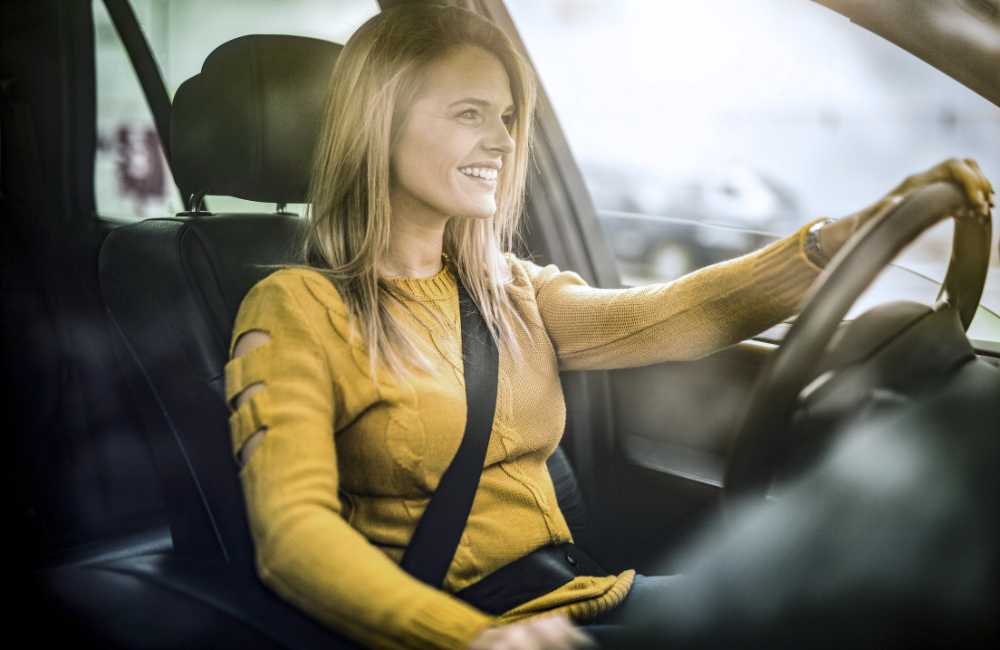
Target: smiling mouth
483	173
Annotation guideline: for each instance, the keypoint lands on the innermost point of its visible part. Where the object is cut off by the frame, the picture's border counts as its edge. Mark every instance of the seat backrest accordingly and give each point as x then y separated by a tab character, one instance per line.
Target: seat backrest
172	289
244	127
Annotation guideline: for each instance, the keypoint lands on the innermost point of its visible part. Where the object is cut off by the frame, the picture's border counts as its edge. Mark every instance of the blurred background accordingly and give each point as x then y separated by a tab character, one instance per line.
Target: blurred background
702	127
704	130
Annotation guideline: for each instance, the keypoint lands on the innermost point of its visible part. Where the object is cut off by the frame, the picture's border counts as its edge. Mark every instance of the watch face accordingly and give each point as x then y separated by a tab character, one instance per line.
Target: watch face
812	247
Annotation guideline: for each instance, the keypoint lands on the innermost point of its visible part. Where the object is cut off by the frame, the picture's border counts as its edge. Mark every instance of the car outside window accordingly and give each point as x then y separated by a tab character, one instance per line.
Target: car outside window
706	129
131	178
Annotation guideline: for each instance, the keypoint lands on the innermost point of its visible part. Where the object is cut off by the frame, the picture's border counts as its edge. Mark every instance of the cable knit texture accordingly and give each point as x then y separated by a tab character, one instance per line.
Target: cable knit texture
347	465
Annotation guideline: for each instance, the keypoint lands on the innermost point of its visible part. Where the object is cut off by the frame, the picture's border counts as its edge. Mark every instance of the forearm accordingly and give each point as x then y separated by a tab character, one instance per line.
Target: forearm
692	317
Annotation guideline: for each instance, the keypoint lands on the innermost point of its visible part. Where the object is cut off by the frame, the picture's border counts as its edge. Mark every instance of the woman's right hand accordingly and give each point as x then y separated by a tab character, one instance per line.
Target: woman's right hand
545	633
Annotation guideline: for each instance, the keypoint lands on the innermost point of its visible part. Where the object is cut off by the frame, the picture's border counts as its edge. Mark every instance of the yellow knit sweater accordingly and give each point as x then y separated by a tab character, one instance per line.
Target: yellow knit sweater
340	479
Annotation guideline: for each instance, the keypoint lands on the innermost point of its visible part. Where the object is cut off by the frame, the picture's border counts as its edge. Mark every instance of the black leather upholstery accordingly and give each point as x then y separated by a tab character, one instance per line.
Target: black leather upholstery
181	602
247	125
172	288
569	496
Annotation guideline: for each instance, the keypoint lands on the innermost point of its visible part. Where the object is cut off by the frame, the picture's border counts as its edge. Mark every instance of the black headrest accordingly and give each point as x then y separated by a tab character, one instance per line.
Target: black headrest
247	125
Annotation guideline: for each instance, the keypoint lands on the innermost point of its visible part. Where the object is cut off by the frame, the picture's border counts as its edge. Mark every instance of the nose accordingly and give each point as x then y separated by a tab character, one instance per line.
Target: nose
499	140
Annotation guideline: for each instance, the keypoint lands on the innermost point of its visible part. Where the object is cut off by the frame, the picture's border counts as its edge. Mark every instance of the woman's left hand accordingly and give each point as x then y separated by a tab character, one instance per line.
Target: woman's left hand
965	173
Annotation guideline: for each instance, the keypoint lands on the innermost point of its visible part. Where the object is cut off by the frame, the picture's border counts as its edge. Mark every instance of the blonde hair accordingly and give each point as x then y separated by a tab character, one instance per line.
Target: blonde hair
374	82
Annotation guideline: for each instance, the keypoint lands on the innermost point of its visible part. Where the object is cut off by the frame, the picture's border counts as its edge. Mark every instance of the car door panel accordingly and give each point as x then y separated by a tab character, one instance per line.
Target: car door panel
670	426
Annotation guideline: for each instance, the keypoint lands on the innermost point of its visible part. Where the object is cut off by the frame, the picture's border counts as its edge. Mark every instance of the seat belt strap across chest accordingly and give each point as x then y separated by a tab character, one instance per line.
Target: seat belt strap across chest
440	529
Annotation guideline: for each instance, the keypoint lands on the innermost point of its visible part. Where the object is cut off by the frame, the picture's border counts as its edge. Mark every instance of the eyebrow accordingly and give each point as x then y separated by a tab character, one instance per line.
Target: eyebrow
482	103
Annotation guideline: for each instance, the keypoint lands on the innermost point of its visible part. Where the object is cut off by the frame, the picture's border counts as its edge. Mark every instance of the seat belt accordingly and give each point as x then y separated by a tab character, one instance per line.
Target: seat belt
439	531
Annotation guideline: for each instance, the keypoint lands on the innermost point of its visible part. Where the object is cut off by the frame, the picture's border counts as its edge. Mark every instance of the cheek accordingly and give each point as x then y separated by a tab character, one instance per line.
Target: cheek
409	168
422	157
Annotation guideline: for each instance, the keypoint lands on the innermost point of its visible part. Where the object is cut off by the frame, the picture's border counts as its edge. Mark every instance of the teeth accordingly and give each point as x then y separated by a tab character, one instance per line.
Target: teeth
485	173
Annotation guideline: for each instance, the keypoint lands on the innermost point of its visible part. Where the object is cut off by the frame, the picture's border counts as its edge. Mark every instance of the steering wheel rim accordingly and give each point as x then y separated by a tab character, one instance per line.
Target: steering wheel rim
765	431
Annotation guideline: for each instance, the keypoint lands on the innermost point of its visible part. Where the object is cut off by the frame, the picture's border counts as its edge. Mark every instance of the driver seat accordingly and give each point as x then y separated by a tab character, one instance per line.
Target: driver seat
245	127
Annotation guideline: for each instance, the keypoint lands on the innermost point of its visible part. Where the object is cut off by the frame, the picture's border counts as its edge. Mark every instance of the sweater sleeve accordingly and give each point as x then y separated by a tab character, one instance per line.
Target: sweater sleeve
305	550
689	318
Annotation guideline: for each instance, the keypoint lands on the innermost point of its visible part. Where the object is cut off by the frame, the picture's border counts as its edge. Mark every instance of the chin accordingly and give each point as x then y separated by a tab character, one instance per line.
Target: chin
484	212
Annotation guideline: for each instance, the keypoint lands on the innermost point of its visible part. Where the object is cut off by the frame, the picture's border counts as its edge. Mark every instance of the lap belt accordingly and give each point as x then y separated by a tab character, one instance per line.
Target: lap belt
534	575
439	531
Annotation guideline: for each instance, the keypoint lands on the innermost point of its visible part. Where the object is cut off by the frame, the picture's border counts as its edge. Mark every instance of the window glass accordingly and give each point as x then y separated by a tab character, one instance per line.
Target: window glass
706	129
131	178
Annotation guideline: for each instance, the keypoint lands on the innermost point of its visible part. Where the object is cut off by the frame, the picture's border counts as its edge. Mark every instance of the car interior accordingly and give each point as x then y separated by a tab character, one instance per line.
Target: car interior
124	495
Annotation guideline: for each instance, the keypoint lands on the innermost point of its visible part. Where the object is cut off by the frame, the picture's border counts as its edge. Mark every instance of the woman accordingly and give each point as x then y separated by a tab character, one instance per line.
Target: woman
347	374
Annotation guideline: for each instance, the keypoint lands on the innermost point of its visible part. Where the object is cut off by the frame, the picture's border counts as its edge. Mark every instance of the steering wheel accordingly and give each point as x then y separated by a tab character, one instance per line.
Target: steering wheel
766	429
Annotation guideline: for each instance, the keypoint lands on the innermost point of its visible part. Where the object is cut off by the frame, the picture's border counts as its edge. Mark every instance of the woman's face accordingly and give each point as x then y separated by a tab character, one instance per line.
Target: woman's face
454	141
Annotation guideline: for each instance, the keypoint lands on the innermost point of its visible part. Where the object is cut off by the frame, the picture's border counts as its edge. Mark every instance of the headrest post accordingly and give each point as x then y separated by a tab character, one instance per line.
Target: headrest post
196	206
196	201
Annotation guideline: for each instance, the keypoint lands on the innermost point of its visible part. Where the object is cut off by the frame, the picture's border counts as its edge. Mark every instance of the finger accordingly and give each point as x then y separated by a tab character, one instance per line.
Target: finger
975	167
573	637
580	639
517	637
972	182
552	629
548	629
558	633
970	167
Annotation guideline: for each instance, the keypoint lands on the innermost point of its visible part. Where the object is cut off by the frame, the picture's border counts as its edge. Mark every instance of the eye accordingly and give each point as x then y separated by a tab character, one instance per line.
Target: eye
470	114
508	120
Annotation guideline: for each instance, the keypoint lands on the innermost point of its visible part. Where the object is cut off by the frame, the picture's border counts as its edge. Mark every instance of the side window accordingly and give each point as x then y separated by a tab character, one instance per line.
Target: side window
132	180
131	177
706	129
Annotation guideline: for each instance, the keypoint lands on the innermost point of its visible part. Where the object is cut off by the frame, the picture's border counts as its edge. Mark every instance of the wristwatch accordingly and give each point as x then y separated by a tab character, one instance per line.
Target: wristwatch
813	249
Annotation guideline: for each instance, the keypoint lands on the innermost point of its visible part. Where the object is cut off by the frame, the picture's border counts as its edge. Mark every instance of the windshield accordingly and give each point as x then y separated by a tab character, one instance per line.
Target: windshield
707	129
900	283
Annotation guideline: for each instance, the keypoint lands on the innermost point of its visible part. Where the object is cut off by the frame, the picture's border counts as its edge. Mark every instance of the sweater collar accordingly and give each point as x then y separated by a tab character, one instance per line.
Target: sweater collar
439	287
